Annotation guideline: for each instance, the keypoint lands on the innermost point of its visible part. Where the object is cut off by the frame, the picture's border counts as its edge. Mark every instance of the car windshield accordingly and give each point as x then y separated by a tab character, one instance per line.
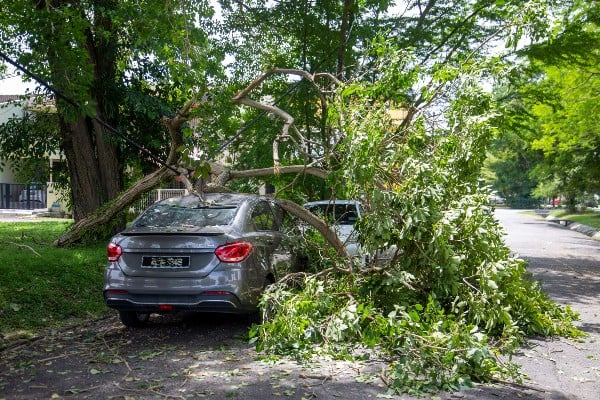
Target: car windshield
167	216
341	214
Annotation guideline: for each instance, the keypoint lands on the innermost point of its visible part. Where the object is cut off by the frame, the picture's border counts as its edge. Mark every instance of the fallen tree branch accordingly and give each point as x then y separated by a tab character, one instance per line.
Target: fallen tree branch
318	224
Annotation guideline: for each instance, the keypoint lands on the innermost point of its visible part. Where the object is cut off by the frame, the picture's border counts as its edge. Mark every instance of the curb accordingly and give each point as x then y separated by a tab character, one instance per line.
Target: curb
593	233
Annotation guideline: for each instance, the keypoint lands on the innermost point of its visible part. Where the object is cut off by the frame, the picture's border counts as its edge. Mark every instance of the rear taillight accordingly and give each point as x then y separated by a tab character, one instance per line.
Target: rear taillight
114	252
234	252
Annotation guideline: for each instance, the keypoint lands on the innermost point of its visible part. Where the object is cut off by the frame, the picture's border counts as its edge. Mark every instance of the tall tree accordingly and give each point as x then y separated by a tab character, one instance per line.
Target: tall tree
117	62
569	136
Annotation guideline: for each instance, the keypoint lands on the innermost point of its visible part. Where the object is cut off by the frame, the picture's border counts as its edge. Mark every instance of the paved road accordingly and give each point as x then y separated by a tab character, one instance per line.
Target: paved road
568	265
567	262
204	357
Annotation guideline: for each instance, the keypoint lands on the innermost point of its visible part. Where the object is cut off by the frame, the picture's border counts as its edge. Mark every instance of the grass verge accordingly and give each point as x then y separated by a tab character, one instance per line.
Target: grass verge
589	218
42	286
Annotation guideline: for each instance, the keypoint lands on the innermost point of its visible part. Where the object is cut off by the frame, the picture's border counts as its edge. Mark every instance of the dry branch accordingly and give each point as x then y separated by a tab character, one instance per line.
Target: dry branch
298	139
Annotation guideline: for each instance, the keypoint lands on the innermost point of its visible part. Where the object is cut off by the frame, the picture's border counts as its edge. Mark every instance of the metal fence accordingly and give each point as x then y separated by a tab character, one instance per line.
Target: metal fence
18	196
153	196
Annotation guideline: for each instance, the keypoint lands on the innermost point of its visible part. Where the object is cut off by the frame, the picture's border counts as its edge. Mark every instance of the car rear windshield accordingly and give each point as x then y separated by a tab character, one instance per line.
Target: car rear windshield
168	216
342	214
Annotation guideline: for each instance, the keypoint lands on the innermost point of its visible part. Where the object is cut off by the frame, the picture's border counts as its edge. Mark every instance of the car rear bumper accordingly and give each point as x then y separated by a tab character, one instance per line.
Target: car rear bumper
153	303
221	291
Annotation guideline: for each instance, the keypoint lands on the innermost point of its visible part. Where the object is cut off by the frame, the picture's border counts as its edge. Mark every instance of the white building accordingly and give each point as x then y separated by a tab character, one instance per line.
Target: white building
14	192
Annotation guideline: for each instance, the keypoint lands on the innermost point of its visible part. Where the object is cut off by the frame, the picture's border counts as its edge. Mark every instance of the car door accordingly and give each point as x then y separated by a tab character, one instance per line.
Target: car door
265	241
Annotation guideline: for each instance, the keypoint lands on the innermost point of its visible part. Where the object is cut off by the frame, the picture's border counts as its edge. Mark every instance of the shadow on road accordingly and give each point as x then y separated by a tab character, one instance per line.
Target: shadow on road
574	280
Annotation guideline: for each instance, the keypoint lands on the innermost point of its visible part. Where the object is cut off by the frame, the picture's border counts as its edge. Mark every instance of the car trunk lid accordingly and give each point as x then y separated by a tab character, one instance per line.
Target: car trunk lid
181	253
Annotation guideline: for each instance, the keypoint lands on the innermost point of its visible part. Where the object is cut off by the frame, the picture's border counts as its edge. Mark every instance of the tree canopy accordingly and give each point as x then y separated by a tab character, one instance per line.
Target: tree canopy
119	63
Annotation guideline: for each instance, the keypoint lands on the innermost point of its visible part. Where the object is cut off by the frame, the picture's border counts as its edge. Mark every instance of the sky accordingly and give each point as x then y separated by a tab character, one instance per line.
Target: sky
10	83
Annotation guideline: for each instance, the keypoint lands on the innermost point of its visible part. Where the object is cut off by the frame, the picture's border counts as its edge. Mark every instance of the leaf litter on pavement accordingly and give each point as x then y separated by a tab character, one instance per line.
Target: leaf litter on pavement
102	359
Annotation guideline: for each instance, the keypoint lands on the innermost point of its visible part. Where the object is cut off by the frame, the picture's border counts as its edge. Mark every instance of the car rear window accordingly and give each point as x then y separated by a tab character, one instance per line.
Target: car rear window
168	216
342	214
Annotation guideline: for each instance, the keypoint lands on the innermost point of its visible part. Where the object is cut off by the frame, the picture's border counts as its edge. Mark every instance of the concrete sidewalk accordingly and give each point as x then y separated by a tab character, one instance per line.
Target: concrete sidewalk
594	233
13	215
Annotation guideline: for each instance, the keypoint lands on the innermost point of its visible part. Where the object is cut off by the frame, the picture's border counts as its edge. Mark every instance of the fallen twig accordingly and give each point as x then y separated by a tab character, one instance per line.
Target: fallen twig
28	247
151	390
519	385
319	377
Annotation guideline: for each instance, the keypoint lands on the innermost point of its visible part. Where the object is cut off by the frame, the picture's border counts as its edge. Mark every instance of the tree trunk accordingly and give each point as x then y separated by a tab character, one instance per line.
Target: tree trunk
78	146
92	160
343	40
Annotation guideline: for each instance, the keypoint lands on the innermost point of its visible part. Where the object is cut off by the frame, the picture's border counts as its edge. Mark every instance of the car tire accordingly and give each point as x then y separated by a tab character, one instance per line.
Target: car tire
133	319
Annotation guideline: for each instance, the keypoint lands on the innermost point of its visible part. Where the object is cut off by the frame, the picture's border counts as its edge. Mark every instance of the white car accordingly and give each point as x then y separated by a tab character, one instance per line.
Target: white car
341	215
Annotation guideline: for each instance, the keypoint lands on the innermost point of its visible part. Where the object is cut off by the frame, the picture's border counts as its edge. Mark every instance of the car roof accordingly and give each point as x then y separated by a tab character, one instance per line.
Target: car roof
222	199
334	201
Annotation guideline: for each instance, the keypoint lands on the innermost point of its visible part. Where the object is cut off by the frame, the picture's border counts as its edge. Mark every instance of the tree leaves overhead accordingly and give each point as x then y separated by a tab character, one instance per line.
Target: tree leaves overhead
553	93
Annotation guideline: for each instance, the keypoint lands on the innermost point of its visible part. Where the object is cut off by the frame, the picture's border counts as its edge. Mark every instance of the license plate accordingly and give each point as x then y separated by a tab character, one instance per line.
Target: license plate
165	262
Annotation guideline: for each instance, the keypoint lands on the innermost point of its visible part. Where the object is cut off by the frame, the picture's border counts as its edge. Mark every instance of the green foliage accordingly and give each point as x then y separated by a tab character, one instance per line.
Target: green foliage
26	140
452	298
43	286
549	105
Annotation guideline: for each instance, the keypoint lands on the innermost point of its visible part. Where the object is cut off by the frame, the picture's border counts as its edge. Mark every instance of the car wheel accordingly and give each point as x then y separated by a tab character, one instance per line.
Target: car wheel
133	319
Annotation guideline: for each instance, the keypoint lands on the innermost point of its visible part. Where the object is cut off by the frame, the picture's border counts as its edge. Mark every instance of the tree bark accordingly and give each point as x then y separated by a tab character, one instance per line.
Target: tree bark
79	151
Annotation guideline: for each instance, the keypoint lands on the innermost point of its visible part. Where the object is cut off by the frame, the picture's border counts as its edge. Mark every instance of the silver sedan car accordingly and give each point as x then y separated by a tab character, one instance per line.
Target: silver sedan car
213	254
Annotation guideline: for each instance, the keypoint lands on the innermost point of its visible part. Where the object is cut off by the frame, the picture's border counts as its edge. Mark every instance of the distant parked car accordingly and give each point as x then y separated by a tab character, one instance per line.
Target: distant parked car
185	253
495	199
341	215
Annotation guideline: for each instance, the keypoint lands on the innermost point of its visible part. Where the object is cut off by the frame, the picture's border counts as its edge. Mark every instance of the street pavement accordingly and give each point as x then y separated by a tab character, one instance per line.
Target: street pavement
567	263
